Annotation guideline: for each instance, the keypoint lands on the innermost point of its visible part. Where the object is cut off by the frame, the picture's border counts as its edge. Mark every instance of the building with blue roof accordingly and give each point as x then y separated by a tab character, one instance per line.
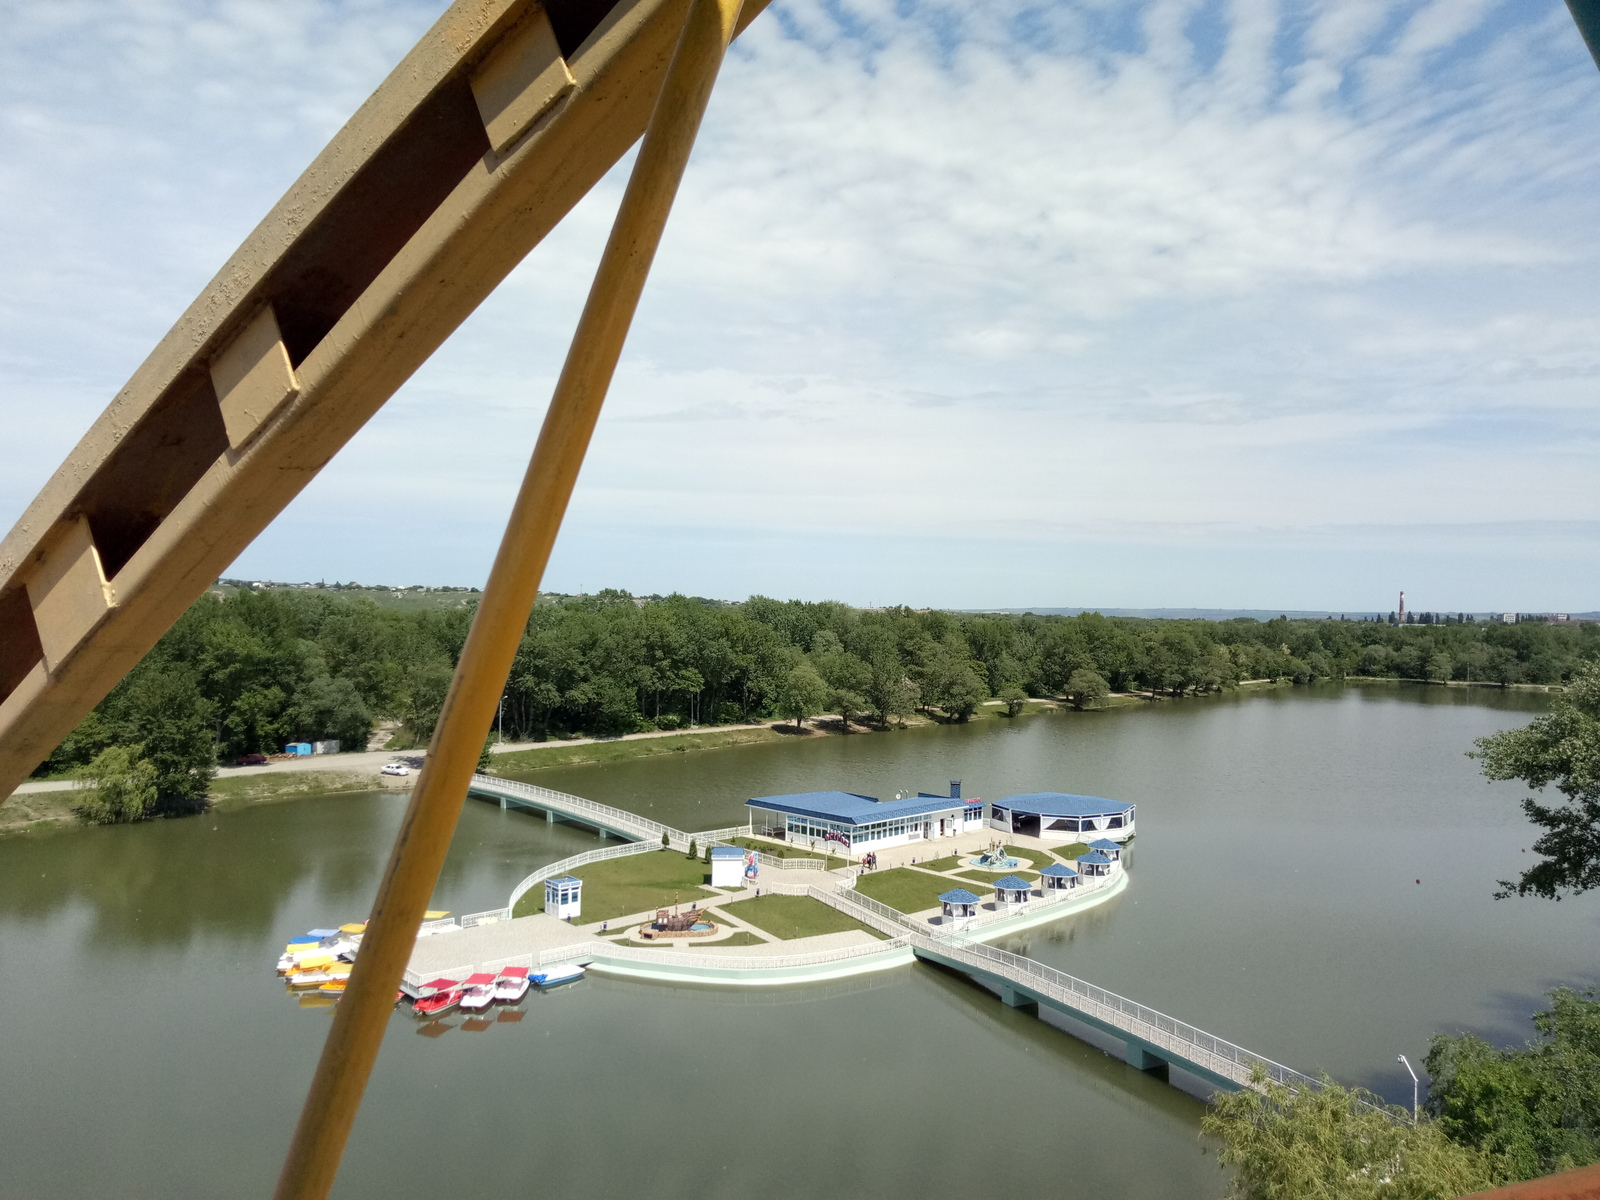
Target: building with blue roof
855	823
1107	847
1095	863
1059	877
1062	816
959	904
1013	890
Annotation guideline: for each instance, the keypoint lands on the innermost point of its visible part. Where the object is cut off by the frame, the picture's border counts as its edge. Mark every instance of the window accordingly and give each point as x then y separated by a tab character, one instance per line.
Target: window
1070	824
997	813
1114	823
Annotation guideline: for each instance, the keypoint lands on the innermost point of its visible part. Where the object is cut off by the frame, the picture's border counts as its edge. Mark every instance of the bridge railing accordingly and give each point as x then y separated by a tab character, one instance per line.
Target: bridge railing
619	819
596	949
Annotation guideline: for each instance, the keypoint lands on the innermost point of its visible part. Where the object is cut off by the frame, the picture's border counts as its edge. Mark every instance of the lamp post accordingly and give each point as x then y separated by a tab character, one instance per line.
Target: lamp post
1401	1058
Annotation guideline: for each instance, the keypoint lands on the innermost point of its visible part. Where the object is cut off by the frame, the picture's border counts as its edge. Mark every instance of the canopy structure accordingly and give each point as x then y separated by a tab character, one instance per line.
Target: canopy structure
960	896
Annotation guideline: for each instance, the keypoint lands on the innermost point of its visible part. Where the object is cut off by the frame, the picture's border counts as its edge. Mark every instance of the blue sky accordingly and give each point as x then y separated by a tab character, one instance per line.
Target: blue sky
1253	304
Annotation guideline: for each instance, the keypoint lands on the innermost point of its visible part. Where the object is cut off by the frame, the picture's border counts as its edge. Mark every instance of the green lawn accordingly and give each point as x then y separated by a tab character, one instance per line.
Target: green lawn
793	916
904	888
1039	858
787	850
950	862
1069	854
637	883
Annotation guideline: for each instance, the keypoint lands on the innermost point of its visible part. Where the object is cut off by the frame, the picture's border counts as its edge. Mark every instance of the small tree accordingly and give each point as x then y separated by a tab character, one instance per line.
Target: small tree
694	850
1014	698
666	843
1561	748
486	757
1087	689
122	787
801	692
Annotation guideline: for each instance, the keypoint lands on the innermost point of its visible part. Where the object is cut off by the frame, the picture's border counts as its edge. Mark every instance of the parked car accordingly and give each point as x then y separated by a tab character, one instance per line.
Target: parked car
250	760
395	769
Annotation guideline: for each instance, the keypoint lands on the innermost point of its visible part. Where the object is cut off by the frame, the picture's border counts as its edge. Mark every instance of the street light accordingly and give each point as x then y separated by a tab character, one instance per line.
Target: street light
1401	1058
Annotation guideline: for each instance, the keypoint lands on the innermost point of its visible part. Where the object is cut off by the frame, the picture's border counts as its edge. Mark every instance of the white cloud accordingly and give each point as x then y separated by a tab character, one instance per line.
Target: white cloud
927	278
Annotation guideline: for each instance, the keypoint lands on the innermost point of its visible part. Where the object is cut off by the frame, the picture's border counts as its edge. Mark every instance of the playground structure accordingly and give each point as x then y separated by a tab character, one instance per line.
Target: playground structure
480	141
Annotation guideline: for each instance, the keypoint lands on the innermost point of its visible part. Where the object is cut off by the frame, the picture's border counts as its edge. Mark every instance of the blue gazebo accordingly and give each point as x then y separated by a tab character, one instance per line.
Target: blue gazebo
1059	877
1094	863
1107	847
959	903
1013	889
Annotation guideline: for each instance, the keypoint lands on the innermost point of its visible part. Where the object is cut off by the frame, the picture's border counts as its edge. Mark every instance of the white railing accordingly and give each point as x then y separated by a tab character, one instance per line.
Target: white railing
618	819
1190	1042
412	981
592	950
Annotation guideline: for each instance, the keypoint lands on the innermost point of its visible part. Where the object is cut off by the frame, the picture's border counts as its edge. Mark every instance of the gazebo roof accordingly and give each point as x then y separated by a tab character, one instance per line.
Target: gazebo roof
960	896
1104	844
1012	883
1058	871
1094	856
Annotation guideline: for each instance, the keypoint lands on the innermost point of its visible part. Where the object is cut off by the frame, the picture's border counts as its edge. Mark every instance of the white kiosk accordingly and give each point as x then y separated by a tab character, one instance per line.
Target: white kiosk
563	897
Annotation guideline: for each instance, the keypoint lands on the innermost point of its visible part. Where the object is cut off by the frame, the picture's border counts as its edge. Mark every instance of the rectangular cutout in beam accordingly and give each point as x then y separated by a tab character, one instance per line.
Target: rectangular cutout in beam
20	651
68	590
521	80
253	378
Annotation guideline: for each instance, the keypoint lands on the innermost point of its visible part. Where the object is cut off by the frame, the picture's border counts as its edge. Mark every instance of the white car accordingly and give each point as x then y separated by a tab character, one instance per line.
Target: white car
395	769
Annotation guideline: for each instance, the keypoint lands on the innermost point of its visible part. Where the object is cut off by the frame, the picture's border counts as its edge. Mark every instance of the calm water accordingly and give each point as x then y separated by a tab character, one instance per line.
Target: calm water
150	1052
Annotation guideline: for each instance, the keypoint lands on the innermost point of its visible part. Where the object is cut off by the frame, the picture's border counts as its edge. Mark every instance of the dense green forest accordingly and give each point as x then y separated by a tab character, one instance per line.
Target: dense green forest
253	670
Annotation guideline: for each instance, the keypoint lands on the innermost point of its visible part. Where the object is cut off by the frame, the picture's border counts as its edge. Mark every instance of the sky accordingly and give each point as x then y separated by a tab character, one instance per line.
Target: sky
1210	303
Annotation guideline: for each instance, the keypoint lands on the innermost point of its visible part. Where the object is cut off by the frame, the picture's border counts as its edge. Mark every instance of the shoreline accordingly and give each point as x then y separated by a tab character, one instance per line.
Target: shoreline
43	806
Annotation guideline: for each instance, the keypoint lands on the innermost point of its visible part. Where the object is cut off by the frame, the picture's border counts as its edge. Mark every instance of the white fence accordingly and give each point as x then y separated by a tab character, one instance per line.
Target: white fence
619	819
1158	1029
588	951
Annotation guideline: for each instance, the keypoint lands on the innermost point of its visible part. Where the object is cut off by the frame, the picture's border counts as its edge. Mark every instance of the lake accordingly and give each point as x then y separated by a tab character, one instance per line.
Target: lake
151	1052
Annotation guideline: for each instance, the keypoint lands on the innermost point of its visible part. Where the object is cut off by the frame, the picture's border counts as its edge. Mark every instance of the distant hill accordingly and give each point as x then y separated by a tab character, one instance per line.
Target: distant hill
1231	614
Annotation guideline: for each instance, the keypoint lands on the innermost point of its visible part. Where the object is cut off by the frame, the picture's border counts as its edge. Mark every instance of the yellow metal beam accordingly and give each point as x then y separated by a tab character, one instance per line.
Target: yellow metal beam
479	142
508	599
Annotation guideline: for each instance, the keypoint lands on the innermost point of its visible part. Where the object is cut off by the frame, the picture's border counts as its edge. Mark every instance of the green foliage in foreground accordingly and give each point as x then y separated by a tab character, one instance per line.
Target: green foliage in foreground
1560	748
1538	1106
1494	1115
1335	1143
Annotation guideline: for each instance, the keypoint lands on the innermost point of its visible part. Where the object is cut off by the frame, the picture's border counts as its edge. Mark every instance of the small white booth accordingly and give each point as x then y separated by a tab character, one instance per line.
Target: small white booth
1012	891
1095	864
563	897
1107	847
727	867
1058	877
959	905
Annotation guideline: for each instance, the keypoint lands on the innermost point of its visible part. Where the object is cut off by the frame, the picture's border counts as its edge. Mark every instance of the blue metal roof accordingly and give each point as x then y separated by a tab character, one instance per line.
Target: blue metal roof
1094	856
852	808
565	879
960	896
1062	804
1104	844
1058	871
1012	883
726	852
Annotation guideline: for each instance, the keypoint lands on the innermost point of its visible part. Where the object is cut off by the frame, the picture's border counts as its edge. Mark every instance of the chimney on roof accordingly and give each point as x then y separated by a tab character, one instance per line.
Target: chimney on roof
955	789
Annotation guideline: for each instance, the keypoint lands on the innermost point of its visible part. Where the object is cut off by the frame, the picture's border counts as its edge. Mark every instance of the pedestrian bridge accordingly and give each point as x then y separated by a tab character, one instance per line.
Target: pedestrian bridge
608	821
1152	1040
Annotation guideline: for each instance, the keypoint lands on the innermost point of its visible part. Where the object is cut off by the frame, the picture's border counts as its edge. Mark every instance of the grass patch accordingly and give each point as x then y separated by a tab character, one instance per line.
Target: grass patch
240	790
988	877
951	862
790	917
788	850
638	883
904	888
559	754
35	812
1039	858
1069	854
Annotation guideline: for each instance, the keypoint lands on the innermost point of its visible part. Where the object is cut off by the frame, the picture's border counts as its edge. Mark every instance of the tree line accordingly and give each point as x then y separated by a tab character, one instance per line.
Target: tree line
249	671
